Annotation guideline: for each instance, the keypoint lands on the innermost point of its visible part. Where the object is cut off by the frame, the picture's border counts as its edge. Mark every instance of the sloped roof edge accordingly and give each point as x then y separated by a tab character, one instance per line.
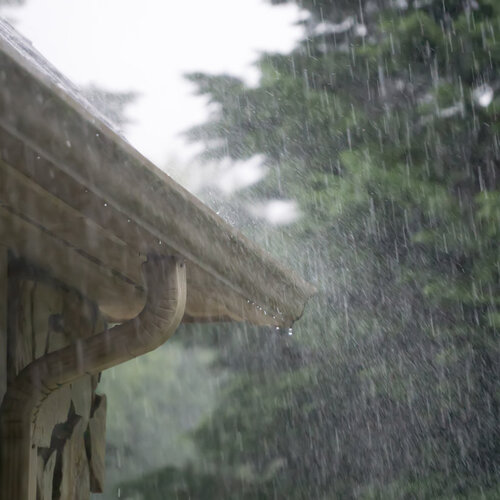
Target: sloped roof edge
83	147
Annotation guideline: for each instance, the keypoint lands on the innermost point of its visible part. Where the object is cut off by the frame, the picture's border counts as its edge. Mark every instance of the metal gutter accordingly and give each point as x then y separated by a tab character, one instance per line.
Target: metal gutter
122	188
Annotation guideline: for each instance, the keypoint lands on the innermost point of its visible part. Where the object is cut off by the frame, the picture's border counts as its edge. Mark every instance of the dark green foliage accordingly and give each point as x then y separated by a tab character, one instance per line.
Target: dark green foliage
388	141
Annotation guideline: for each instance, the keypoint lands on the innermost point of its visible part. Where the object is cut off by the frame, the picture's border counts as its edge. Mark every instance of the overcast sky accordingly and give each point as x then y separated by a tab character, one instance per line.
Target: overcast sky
147	45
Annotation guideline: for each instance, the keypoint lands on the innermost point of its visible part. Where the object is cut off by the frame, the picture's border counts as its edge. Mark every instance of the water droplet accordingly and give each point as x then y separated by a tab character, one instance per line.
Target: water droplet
68	144
290	331
105	204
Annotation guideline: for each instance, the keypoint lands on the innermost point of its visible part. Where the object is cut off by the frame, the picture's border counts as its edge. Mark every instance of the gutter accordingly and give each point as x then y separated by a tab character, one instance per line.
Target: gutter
55	139
166	291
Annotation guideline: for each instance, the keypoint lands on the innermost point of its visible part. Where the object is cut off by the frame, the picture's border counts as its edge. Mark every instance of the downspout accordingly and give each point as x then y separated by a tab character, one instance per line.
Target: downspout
166	299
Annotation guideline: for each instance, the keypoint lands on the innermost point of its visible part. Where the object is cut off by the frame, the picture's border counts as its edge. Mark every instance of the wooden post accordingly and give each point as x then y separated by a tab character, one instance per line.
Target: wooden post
18	456
3	320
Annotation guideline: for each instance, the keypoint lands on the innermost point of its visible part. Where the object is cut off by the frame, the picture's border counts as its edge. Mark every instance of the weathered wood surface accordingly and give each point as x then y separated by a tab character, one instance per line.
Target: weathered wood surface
60	239
82	397
3	319
45	476
17	447
75	482
47	303
33	243
53	137
23	340
72	238
85	354
48	316
60	219
54	410
97	441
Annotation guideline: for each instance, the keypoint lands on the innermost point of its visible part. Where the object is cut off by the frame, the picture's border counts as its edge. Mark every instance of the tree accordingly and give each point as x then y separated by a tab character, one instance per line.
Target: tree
383	124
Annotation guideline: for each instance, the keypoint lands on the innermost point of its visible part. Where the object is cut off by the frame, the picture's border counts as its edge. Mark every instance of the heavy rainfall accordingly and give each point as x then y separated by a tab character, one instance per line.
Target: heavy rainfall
366	157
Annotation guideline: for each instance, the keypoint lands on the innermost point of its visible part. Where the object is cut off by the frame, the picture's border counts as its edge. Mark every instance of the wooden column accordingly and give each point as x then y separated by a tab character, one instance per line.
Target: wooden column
3	320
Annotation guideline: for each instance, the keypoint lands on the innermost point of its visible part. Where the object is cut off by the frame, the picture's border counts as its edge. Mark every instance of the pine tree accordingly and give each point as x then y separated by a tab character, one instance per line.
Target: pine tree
383	124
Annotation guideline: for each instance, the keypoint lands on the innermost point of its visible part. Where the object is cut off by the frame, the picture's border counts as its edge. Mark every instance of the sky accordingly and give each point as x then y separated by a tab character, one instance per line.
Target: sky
146	46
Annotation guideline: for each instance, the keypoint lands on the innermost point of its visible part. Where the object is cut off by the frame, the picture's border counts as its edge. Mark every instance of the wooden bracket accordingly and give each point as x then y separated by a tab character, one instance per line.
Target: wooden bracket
166	285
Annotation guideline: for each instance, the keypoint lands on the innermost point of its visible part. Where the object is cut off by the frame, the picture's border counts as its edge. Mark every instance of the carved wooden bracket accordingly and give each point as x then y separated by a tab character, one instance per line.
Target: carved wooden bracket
165	279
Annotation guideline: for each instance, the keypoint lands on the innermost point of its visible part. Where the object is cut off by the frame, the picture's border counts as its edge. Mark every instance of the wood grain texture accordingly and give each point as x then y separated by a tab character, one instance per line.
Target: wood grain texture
52	411
24	347
47	302
97	441
45	476
75	482
33	243
16	447
82	397
3	319
166	285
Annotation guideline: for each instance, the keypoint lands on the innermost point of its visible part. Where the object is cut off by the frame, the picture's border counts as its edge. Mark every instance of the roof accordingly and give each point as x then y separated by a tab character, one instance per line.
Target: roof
78	200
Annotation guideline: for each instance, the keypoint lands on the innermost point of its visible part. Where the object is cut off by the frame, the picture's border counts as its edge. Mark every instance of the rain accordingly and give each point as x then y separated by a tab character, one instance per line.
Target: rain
359	146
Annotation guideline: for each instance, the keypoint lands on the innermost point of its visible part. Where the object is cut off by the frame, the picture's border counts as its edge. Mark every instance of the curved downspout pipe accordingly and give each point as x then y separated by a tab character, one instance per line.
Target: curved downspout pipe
166	299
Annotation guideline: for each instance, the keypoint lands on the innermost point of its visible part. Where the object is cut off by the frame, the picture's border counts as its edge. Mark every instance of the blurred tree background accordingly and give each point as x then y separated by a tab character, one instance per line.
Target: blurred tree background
383	125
